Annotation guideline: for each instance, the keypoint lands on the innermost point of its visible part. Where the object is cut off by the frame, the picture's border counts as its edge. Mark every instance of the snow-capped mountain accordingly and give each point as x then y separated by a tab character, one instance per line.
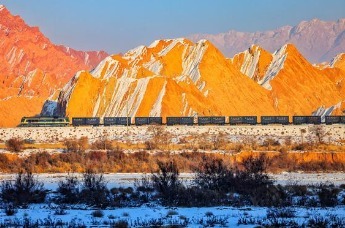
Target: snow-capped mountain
180	78
317	40
32	68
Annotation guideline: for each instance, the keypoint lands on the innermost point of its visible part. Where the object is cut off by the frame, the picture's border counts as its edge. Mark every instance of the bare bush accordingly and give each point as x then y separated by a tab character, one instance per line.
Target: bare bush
77	145
166	181
159	137
25	190
102	144
15	144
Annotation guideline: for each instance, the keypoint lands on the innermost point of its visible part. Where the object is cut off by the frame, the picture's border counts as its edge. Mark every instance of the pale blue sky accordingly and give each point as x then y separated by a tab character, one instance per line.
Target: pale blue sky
116	26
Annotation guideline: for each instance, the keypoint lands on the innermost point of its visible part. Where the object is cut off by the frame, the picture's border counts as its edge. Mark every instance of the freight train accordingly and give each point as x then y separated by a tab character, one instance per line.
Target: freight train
170	121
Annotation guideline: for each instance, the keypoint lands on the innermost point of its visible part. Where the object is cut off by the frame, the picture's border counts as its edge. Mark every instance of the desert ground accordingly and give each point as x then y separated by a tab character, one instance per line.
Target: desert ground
135	134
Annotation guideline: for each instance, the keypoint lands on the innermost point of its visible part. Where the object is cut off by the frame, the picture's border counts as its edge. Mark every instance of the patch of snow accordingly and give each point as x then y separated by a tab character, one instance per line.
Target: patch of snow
336	59
111	65
133	54
154	65
154	44
11	56
2	7
191	59
86	58
250	63
96	107
157	107
276	65
171	46
322	111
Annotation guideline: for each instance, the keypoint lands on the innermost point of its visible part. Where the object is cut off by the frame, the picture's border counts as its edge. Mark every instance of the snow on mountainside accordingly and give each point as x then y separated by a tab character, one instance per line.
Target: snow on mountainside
317	40
180	78
32	68
295	84
167	78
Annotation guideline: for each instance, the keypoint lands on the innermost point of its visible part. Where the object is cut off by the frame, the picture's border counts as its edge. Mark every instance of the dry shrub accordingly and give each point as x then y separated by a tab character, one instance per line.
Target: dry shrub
15	144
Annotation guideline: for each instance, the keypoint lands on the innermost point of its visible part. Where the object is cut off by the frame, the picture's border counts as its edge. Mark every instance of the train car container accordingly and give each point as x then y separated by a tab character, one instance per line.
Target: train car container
94	121
306	120
218	120
274	120
186	120
171	120
78	121
156	120
108	121
234	120
204	120
332	120
141	121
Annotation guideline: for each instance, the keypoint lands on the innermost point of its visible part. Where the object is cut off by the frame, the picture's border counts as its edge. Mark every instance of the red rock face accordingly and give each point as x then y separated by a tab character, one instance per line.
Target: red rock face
317	40
32	67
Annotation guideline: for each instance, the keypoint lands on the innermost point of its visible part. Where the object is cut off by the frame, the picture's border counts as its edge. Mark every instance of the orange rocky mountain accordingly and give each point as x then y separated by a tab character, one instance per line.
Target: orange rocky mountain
32	68
296	87
180	78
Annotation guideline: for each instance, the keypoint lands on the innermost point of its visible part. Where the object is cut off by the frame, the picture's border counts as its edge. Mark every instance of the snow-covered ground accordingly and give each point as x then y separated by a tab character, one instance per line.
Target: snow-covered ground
136	134
152	214
156	215
127	179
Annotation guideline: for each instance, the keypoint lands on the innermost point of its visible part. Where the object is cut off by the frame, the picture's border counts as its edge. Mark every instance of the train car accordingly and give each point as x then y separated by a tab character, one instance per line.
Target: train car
235	120
297	120
334	120
125	121
204	120
156	120
94	121
274	120
109	121
184	120
85	121
78	121
44	121
218	120
171	120
141	121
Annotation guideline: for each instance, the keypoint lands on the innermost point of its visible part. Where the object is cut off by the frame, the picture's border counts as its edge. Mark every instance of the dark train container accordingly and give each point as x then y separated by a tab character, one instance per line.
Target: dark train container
314	119
94	121
141	121
108	121
220	120
186	120
282	120
234	120
268	120
125	121
342	119
204	120
274	120
78	121
306	120
299	120
252	120
332	120
155	120
173	121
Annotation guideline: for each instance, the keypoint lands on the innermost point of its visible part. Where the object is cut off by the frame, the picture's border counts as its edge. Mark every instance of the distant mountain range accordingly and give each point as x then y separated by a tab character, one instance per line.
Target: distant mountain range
317	40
